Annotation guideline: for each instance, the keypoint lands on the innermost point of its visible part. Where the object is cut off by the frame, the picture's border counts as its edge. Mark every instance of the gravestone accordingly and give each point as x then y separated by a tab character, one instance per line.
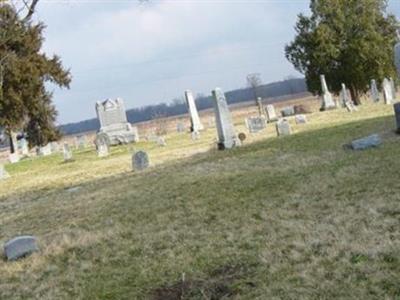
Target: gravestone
3	173
283	127
180	127
374	91
255	124
23	145
102	150
113	122
397	55
327	100
195	135
140	161
396	107
345	99
287	111
161	141
45	150
81	142
67	153
227	137
20	247
300	119
392	88
194	115
373	140
13	158
387	91
271	113
260	107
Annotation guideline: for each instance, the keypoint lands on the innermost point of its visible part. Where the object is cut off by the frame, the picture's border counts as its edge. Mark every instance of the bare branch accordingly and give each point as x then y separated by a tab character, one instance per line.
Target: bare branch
31	9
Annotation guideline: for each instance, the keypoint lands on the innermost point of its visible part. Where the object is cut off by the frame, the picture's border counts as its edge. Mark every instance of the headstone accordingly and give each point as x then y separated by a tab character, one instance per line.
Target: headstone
397	56
397	116
300	119
3	173
260	107
140	161
327	100
387	91
345	99
180	127
271	113
195	135
194	115
101	143
67	153
287	111
13	158
255	124
393	88
23	143
20	246
161	141
113	122
283	127
374	91
227	137
373	140
81	142
45	150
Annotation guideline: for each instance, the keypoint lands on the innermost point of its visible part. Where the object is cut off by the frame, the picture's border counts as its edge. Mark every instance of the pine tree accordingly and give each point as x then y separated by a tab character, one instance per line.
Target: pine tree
350	41
24	69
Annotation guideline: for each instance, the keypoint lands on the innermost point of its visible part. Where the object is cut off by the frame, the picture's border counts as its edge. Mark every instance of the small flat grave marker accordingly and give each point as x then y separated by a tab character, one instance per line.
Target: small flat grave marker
140	161
20	246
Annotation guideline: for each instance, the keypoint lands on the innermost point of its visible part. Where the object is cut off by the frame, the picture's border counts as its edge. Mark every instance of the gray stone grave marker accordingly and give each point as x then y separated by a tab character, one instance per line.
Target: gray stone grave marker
194	115
67	153
373	140
140	161
374	91
20	246
387	91
227	137
283	127
300	119
327	99
14	158
255	124
287	111
271	113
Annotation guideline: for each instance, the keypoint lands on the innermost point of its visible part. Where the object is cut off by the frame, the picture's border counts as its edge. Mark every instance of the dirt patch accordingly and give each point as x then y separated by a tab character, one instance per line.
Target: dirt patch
218	285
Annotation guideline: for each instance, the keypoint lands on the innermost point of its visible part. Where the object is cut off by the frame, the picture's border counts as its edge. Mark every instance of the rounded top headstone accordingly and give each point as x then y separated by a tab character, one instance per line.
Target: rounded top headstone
140	161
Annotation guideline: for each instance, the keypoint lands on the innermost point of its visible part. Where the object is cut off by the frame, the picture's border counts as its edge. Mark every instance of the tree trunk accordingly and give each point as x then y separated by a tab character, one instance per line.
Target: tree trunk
355	96
12	146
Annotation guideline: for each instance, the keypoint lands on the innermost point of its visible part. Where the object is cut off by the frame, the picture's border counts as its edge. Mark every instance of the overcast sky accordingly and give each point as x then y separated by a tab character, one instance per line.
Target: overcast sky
151	52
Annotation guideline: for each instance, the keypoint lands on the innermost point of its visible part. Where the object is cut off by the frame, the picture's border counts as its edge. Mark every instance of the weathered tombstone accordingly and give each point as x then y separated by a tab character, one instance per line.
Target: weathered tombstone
345	99
20	247
102	143
374	91
387	91
396	107
161	141
114	123
3	173
271	113
81	142
373	140
392	88
283	127
260	107
300	119
287	111
24	147
397	55
180	127
13	158
45	150
140	161
195	135
194	115
67	153
255	124
227	137
327	100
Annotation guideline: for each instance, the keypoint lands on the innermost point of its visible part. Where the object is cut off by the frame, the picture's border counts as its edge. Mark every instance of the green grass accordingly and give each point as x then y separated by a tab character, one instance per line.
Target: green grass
297	217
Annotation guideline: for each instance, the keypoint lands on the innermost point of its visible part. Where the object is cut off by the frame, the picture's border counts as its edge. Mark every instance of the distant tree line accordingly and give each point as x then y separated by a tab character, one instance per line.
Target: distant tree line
178	106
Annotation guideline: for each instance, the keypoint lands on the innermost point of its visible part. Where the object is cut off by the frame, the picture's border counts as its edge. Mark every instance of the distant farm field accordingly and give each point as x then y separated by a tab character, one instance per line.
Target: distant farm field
296	217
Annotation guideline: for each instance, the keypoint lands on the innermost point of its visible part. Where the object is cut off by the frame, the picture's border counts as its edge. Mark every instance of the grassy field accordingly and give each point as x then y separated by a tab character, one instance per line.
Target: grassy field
296	217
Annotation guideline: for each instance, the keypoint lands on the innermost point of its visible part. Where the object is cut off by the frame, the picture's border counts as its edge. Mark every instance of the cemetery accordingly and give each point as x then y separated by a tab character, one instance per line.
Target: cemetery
280	190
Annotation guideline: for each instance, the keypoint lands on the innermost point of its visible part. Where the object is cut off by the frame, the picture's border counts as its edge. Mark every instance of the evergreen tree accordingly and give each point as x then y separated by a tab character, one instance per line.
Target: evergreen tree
24	70
350	41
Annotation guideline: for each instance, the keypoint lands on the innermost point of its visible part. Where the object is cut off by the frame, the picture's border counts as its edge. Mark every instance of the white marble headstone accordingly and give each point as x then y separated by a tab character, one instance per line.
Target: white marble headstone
194	115
271	113
387	91
374	91
327	99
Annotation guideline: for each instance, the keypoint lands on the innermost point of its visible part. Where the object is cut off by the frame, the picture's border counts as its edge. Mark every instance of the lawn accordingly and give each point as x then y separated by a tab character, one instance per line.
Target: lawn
296	217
